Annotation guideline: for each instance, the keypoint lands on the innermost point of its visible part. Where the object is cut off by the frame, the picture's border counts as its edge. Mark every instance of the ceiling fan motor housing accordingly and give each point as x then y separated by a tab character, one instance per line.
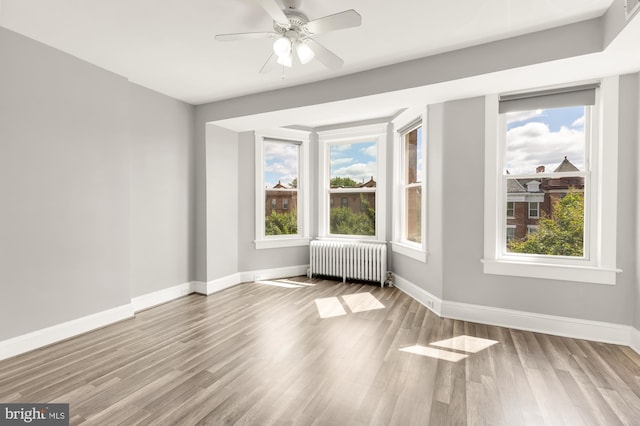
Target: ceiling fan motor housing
297	22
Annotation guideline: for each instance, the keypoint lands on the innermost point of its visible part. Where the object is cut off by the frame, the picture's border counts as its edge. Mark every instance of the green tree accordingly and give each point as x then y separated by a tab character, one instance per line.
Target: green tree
345	182
281	223
294	183
559	235
344	221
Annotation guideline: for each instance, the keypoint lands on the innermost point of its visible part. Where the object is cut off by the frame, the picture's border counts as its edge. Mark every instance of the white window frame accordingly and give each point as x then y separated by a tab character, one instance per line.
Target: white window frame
409	120
507	231
513	216
599	266
263	241
537	215
532	229
357	134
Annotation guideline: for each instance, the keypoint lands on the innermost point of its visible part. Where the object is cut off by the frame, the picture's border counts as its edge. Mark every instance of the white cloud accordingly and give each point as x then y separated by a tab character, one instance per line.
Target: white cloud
371	151
340	161
517	116
579	122
533	144
360	172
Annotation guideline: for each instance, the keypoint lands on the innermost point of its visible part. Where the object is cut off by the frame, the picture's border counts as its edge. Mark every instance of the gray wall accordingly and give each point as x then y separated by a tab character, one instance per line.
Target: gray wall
464	280
222	202
96	178
64	167
162	191
249	258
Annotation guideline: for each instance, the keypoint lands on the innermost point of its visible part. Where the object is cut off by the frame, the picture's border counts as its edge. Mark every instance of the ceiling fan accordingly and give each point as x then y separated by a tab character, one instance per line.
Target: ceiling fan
293	31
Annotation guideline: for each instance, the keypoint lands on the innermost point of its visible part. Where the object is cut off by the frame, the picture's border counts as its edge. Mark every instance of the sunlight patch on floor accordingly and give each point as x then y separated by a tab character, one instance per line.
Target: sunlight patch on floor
361	302
330	307
465	343
279	283
434	353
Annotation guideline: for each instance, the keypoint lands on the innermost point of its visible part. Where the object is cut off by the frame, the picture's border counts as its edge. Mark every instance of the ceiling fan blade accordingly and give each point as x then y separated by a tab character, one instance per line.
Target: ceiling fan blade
324	55
347	19
273	9
245	36
269	64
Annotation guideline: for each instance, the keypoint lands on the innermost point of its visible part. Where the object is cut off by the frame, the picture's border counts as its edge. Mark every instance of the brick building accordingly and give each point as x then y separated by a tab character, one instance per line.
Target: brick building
528	200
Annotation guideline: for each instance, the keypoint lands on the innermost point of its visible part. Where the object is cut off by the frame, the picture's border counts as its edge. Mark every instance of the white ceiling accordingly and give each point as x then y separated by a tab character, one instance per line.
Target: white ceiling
168	45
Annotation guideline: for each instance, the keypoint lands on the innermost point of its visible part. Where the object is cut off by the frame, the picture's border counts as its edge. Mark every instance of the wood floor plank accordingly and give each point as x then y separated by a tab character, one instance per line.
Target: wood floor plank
257	354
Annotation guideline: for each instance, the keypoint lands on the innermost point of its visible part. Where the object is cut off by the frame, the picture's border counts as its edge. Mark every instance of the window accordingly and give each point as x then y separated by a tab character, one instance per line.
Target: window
281	196
511	232
352	171
511	209
544	149
410	204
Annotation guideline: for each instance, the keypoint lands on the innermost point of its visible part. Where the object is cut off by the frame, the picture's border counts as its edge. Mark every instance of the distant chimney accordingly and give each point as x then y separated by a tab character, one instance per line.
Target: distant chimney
540	169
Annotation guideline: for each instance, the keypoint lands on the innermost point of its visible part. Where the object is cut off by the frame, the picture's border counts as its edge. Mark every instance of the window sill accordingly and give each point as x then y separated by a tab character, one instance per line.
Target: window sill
585	274
406	250
281	242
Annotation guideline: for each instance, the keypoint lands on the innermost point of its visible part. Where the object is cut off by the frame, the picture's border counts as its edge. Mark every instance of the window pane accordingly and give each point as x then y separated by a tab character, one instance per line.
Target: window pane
557	221
413	156
546	140
281	161
510	209
353	165
353	213
413	220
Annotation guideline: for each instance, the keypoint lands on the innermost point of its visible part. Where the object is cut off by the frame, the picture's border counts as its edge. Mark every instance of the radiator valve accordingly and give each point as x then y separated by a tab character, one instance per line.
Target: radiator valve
389	281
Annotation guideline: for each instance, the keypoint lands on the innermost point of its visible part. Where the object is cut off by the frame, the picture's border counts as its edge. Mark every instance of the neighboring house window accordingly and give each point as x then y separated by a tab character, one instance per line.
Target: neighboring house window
409	198
545	151
353	163
281	174
511	209
511	232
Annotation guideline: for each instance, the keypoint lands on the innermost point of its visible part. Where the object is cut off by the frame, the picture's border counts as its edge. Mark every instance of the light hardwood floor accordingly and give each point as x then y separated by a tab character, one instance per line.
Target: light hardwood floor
259	354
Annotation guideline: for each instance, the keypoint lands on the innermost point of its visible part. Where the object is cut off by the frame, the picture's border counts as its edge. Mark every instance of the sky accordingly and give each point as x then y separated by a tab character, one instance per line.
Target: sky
280	163
545	137
356	160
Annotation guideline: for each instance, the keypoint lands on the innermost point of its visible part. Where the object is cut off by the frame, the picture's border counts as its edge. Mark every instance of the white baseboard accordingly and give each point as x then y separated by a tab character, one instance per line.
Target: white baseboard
46	336
549	324
419	294
248	276
161	296
635	340
218	284
274	273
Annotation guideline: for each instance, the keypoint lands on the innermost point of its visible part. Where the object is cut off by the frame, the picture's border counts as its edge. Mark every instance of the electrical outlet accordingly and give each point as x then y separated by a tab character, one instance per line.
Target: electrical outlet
185	291
430	304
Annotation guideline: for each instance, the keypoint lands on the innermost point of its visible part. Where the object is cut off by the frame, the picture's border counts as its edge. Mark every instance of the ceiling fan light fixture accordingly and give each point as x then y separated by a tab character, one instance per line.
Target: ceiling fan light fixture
305	54
282	46
286	60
